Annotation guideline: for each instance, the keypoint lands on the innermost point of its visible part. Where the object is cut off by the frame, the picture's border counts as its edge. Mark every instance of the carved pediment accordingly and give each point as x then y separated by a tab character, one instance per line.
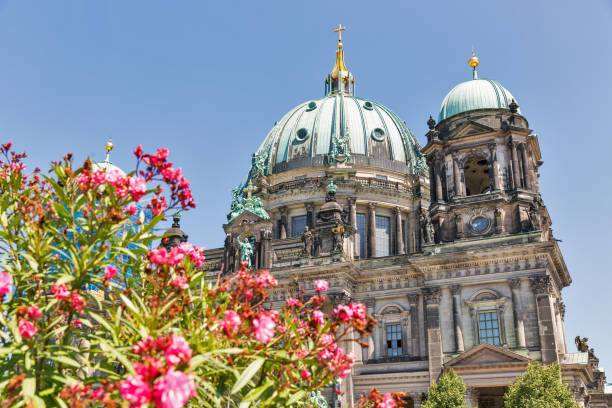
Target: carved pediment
486	355
472	128
246	220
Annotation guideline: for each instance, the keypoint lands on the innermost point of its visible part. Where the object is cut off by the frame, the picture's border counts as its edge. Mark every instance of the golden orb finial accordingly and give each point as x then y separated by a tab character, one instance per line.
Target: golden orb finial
474	61
109	145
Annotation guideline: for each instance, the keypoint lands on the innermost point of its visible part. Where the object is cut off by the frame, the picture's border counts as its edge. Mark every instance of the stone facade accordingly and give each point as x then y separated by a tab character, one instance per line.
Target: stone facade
458	261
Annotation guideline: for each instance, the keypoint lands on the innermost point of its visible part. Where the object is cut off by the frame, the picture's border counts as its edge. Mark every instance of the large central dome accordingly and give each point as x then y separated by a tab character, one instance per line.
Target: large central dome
340	128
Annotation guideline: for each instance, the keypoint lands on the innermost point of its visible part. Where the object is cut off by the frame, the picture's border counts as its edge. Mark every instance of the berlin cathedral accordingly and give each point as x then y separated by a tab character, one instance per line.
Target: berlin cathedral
449	245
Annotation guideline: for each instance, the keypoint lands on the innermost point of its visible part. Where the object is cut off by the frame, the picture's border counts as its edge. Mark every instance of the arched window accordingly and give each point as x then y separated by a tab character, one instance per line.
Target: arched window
476	171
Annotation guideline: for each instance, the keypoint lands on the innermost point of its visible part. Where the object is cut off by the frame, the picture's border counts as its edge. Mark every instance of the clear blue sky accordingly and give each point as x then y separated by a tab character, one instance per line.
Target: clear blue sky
209	79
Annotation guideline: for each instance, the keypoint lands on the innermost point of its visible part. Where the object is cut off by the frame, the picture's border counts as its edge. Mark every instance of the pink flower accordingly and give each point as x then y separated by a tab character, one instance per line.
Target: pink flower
114	177
77	323
178	351
358	310
158	256
318	317
265	278
26	329
34	312
326	339
99	177
292	302
135	390
173	390
248	293
306	374
263	325
110	272
387	402
60	291
180	282
343	312
301	353
137	187
321	285
231	322
131	209
6	283
78	302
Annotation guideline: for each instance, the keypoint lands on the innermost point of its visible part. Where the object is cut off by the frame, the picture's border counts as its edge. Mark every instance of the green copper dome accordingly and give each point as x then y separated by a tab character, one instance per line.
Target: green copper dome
339	128
475	94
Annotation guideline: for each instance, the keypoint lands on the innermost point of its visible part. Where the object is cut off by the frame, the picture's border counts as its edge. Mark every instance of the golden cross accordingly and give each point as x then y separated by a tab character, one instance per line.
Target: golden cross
339	30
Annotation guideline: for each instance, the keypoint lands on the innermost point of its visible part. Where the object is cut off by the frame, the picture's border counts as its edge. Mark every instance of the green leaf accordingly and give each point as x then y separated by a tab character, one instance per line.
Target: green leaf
256	393
66	360
301	394
129	304
38	402
28	386
247	374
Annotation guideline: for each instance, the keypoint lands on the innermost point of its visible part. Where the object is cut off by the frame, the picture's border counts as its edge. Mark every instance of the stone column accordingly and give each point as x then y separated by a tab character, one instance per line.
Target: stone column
369	352
416	399
310	215
515	166
413	301
447	320
353	222
526	167
434	338
518	312
494	167
422	336
471	396
399	233
542	288
371	230
456	175
410	233
438	176
266	249
456	291
530	317
432	179
283	226
509	333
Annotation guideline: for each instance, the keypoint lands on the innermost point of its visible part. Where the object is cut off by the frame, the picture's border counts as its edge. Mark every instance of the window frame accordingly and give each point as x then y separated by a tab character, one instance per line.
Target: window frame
379	247
497	322
398	332
299	233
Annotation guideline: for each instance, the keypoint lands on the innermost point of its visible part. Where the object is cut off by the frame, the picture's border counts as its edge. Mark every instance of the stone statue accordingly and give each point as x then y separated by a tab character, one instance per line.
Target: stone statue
581	344
258	165
318	400
427	227
534	218
307	240
236	208
246	250
338	234
240	203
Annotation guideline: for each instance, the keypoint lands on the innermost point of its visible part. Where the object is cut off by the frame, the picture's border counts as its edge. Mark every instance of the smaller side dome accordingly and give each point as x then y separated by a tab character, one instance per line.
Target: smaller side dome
479	93
106	165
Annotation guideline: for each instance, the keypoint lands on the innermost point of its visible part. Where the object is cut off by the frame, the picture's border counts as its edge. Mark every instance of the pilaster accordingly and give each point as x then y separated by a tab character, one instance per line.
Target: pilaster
542	289
434	338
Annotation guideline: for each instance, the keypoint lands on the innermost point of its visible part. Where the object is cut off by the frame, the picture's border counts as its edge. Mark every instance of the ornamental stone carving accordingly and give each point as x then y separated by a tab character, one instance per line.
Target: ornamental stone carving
514	283
432	296
541	285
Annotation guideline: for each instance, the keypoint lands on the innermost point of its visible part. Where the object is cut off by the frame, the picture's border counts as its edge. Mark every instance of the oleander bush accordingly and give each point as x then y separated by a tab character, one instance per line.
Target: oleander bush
94	315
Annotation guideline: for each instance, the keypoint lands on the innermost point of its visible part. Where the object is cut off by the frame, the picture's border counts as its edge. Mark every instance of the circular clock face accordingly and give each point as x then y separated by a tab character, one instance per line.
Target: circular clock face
480	224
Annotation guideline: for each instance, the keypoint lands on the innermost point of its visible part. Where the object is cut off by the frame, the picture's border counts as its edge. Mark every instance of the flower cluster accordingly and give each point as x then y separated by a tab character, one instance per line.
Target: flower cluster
158	378
388	400
177	254
159	168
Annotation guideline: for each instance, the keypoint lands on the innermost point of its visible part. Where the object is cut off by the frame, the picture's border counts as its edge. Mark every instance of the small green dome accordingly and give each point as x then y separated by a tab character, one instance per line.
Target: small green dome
475	94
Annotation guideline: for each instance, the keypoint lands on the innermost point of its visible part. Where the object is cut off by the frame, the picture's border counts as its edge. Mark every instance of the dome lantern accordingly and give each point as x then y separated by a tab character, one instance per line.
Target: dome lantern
340	80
